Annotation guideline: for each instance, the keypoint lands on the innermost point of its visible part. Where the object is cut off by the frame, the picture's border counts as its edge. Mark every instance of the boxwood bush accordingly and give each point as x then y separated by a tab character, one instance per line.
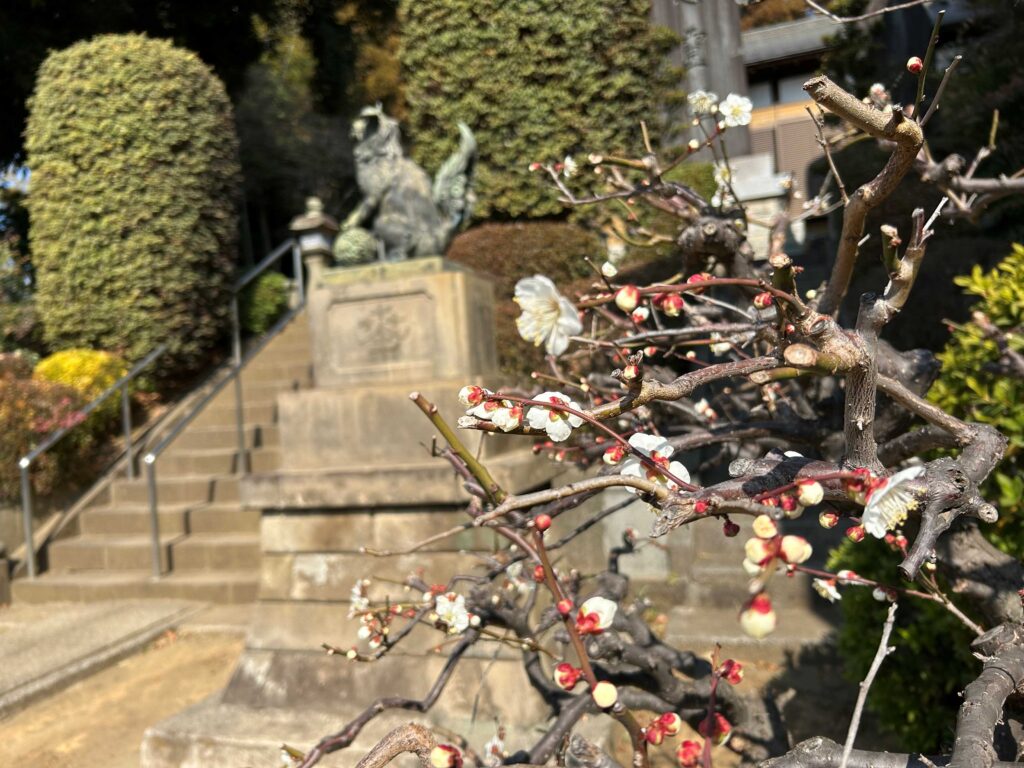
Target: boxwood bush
135	180
535	80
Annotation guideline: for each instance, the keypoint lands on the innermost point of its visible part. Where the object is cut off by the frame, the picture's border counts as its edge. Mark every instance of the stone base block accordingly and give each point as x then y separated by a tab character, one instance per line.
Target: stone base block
430	482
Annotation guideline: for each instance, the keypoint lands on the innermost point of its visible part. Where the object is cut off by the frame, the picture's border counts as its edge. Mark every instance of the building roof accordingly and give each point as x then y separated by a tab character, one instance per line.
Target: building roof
783	41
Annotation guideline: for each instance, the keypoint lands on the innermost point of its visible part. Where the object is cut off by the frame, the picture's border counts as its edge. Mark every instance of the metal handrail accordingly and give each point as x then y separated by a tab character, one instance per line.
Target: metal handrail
25	462
238	362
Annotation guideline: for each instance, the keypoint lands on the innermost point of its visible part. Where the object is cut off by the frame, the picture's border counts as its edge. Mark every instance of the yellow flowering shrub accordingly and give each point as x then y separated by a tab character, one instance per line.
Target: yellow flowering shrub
87	372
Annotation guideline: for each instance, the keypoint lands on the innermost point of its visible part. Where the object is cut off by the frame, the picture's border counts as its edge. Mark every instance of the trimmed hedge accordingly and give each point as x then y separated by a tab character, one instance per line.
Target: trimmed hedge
135	180
535	80
263	301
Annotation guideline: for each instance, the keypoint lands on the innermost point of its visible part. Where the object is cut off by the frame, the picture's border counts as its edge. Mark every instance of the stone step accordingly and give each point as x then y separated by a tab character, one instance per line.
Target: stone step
209	586
224	415
176	490
698	629
202	518
178	552
220	461
114	552
301	367
198	437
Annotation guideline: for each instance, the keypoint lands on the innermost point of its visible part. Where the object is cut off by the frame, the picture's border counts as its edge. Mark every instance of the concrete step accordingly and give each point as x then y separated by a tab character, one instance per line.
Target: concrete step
210	586
224	415
179	519
176	490
219	461
199	437
178	552
217	552
274	370
111	552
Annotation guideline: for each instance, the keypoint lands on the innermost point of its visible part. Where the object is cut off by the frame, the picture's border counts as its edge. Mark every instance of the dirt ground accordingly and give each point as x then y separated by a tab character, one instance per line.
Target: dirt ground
98	722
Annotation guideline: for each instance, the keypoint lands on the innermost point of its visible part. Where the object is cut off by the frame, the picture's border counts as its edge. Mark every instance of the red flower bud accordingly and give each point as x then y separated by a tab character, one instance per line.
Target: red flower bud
688	754
855	533
730	529
731	671
763	300
538	573
914	65
542	522
564	606
700	507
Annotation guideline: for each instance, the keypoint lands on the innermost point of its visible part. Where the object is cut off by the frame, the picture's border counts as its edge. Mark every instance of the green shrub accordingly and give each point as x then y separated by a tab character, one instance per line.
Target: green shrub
916	694
135	177
20	327
974	387
88	372
534	80
509	252
263	301
29	411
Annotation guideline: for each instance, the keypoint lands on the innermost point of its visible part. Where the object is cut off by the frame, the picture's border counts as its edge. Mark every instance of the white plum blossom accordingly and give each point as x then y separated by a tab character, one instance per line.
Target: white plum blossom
658	450
569	167
558	424
609	270
827	589
703	102
503	413
719	347
358	600
736	110
596	615
889	502
451	609
548	317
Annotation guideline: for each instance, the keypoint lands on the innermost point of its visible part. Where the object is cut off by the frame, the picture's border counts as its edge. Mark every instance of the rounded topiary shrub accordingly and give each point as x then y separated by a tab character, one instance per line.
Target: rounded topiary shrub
509	252
263	301
135	180
535	81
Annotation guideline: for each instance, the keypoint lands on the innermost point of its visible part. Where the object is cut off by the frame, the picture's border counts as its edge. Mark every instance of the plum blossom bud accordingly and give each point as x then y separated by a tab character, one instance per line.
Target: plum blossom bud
763	300
855	533
445	756
790	506
564	606
605	694
595	615
566	676
613	455
699	277
534	167
671	723
640	315
631	372
828	519
731	671
795	549
846	576
672	304
542	522
809	492
693	145
758	618
764	527
730	529
700	507
627	297
472	395
914	65
609	270
688	754
654	735
538	573
720	728
759	551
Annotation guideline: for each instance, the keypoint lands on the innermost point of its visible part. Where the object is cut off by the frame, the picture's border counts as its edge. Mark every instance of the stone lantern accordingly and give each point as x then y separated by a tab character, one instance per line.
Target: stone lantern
315	232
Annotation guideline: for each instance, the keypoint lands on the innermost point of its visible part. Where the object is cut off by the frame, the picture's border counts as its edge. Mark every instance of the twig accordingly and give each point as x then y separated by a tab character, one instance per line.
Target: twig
929	54
864	16
942	87
883	651
819	124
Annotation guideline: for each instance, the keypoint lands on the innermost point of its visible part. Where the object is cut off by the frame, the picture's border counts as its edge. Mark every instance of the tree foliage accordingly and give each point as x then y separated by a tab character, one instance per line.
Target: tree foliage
134	188
535	81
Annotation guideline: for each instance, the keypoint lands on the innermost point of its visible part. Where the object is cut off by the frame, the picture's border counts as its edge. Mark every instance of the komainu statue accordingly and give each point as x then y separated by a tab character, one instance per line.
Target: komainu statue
401	215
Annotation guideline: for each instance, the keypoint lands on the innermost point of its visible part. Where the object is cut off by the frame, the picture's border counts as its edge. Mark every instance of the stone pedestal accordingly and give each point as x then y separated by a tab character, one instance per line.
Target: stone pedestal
356	471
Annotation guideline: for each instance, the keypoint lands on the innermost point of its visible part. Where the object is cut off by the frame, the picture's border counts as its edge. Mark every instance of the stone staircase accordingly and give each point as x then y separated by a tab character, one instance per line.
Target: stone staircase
209	544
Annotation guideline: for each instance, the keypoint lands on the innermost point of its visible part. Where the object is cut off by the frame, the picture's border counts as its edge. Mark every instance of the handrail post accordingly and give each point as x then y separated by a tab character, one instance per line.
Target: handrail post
126	423
154	517
236	354
26	511
300	282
